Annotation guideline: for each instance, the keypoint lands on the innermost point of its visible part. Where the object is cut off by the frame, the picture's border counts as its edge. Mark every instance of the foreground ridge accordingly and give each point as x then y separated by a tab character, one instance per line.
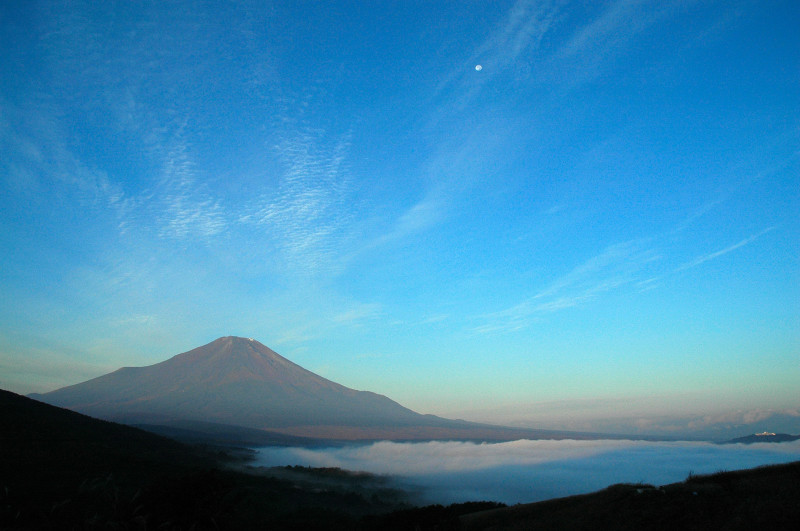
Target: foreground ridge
764	497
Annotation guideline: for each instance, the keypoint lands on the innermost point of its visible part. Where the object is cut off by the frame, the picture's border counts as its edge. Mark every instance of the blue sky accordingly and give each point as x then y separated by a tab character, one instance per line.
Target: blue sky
605	213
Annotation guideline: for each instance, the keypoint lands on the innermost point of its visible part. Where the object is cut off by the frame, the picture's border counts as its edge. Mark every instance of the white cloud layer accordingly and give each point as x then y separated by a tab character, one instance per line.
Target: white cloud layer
526	471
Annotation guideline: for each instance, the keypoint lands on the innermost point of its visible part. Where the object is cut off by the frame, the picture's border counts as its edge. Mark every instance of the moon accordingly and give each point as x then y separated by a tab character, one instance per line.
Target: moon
478	68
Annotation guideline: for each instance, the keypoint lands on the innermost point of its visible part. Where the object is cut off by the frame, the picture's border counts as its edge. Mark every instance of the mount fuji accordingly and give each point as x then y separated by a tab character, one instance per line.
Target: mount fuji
239	383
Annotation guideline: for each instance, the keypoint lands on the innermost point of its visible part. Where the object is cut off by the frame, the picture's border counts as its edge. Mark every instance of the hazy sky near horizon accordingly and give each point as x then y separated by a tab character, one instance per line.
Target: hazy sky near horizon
606	210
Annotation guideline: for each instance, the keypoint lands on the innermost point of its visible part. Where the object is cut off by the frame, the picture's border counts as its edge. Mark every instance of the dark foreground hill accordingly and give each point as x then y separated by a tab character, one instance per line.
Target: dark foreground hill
44	447
239	382
760	498
63	470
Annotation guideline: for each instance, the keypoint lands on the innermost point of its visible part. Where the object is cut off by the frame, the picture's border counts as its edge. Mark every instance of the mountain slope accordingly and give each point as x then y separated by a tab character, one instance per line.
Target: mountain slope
240	382
231	380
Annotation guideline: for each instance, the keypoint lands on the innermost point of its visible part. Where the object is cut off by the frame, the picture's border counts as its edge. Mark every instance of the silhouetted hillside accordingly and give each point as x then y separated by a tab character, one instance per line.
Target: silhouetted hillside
760	498
63	470
44	445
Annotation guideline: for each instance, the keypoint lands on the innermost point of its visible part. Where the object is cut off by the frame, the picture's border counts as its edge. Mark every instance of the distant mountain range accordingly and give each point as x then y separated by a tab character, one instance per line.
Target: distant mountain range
235	383
764	438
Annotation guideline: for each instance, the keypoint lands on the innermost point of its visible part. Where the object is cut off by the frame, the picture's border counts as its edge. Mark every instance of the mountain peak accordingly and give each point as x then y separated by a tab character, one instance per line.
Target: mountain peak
230	359
239	344
232	380
236	338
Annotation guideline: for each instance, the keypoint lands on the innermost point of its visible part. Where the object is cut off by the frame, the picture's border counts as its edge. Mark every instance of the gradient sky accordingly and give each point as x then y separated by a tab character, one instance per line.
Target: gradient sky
603	218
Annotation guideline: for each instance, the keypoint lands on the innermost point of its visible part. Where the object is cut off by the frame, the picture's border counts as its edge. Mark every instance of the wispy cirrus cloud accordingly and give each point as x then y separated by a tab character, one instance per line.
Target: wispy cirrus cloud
186	207
37	158
357	314
617	265
592	46
176	203
617	22
521	32
652	282
305	214
512	48
419	217
716	254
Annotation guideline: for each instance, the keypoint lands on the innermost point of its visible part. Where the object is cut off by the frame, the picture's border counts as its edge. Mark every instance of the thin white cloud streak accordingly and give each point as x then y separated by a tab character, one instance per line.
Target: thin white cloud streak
711	256
531	470
117	75
594	45
452	171
523	29
617	23
417	218
517	42
616	266
519	38
358	314
421	216
699	212
735	185
653	282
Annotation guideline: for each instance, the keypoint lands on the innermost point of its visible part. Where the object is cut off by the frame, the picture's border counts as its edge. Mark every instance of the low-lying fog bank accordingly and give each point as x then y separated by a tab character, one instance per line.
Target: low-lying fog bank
526	471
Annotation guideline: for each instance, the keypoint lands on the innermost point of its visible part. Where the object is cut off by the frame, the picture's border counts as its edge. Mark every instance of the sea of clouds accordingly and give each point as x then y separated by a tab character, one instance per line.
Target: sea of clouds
531	470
